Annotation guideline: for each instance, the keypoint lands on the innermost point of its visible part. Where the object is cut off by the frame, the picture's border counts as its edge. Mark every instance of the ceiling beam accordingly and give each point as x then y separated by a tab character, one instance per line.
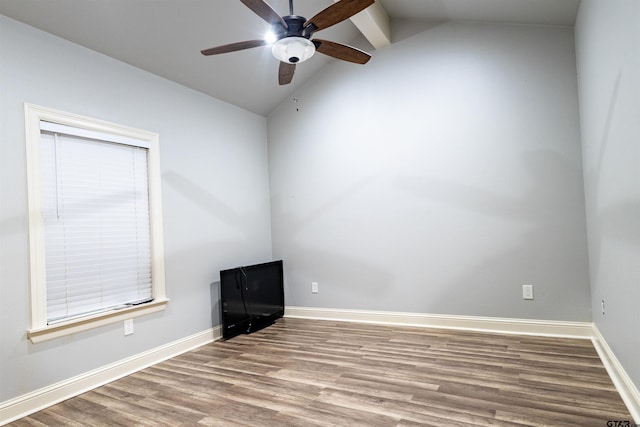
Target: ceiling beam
373	23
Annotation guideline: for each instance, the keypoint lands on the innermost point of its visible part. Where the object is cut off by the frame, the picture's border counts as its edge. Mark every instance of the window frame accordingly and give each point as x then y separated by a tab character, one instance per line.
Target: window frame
40	330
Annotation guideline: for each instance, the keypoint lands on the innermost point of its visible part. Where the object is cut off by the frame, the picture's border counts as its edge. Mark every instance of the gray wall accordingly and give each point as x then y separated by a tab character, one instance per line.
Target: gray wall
215	197
608	56
438	178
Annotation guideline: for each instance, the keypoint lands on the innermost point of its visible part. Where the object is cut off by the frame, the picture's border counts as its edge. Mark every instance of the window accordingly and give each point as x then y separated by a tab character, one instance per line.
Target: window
94	222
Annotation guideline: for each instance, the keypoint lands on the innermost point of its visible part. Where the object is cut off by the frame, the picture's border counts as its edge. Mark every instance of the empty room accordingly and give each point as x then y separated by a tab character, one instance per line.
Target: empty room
320	212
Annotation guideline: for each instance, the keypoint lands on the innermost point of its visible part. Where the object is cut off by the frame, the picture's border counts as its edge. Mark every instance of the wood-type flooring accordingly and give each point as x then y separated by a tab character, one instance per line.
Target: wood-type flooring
320	373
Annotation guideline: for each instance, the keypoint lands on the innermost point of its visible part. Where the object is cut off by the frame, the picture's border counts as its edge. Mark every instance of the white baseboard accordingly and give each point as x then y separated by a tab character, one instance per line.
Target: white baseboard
39	399
628	391
472	323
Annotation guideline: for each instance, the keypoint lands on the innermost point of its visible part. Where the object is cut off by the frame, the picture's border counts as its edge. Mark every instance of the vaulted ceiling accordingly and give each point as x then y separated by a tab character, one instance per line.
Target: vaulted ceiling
165	37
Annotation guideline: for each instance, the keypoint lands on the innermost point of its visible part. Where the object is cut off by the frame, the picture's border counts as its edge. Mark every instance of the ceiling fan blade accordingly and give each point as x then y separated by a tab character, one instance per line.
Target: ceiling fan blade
337	12
233	47
341	51
264	11
285	73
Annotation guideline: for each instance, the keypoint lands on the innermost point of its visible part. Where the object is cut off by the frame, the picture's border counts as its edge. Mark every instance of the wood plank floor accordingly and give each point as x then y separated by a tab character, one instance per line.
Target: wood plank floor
318	373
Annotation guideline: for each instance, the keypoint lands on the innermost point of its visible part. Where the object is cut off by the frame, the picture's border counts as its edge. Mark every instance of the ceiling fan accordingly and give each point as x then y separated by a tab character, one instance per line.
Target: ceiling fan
291	35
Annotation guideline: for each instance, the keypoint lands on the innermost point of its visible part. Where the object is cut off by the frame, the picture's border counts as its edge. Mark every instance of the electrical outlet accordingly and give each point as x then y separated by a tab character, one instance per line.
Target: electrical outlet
527	291
314	287
602	305
128	326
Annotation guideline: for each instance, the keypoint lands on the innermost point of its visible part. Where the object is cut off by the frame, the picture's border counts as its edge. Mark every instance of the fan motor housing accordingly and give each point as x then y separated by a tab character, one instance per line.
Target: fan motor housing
295	28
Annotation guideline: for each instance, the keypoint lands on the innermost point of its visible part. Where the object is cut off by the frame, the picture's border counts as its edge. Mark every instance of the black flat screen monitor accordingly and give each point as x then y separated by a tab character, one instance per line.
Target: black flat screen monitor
252	297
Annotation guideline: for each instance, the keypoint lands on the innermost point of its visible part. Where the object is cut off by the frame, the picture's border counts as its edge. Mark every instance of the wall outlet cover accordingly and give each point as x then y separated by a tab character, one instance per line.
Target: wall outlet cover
128	326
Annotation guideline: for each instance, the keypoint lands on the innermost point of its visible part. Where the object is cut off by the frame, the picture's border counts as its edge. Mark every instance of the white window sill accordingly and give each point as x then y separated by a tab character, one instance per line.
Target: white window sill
48	332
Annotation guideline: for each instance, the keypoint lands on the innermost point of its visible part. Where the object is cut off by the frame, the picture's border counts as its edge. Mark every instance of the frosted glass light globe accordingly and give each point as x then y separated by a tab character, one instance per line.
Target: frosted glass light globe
293	50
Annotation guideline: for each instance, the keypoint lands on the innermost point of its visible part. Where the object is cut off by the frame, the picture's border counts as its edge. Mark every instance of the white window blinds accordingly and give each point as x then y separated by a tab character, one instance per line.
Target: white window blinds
96	222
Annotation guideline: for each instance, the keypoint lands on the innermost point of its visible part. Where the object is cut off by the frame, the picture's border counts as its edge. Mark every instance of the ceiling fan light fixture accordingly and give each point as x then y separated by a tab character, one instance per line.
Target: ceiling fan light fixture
293	50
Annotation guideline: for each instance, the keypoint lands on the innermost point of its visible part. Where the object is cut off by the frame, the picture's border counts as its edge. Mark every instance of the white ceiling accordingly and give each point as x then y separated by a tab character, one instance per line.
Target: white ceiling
165	37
